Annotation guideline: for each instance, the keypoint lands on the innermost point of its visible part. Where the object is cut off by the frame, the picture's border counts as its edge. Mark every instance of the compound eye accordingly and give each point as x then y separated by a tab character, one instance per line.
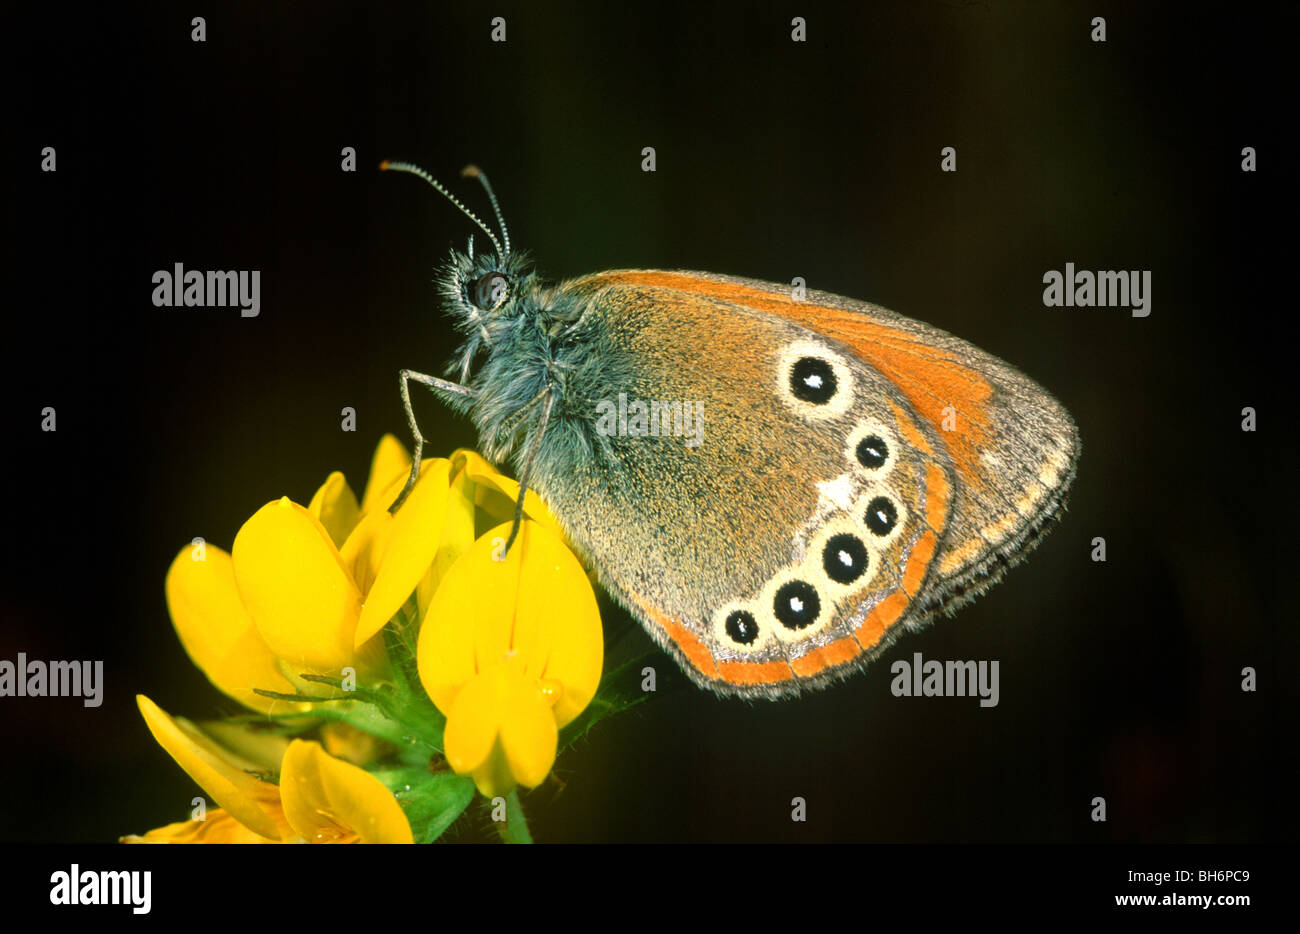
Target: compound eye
489	291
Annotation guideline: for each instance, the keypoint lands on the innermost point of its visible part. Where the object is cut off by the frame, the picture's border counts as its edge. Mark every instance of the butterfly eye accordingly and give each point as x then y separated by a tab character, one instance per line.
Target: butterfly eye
796	604
489	291
870	449
742	627
872	452
736	626
844	558
813	380
882	516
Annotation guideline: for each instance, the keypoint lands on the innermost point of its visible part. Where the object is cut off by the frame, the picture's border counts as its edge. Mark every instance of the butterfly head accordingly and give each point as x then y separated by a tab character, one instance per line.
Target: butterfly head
487	290
523	340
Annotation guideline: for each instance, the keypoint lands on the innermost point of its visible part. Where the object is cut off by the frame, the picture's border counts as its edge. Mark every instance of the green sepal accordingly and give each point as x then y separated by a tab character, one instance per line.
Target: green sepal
431	802
409	699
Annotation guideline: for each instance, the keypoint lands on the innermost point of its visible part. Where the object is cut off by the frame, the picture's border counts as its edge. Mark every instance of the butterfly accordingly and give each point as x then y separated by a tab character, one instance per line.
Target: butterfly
777	485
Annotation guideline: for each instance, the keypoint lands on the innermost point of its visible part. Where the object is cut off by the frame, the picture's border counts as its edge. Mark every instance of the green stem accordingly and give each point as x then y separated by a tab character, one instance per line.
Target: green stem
514	829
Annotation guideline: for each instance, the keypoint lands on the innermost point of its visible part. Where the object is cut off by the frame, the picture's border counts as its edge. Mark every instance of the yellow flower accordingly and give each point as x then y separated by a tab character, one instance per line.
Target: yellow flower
510	650
305	590
319	799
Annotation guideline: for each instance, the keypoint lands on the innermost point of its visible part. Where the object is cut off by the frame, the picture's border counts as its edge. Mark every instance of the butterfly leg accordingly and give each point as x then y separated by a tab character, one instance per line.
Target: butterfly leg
527	467
434	383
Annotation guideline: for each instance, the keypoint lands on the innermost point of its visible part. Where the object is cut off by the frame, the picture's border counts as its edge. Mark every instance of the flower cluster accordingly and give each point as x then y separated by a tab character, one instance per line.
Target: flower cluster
392	662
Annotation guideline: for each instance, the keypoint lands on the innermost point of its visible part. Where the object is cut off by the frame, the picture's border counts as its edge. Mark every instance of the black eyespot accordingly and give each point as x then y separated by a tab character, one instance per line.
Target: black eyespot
872	452
488	291
882	515
844	558
812	380
741	626
796	604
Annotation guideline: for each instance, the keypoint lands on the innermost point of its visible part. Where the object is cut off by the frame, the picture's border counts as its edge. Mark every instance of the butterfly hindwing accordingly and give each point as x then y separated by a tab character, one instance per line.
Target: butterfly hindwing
789	544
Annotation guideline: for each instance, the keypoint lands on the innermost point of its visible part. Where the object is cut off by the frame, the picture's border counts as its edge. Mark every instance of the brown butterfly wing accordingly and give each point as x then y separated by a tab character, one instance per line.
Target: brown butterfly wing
683	535
1013	446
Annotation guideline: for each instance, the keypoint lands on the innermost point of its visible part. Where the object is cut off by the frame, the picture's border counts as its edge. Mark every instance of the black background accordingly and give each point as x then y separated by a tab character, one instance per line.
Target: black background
775	159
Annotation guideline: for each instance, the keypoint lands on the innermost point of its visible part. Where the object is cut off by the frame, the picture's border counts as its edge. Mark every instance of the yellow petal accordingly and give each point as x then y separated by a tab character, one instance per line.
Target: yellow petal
528	732
536	606
405	545
293	582
219	827
476	601
335	505
557	630
495	493
242	795
385	498
501	731
326	800
390	463
475	719
217	631
457	536
365	548
493	776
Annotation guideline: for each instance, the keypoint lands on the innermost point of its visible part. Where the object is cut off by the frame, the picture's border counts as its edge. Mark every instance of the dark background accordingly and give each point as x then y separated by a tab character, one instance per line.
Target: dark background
775	159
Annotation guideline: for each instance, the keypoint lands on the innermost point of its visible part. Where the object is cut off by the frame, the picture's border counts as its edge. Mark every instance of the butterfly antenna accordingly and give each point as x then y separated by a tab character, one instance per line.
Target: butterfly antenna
387	166
473	171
